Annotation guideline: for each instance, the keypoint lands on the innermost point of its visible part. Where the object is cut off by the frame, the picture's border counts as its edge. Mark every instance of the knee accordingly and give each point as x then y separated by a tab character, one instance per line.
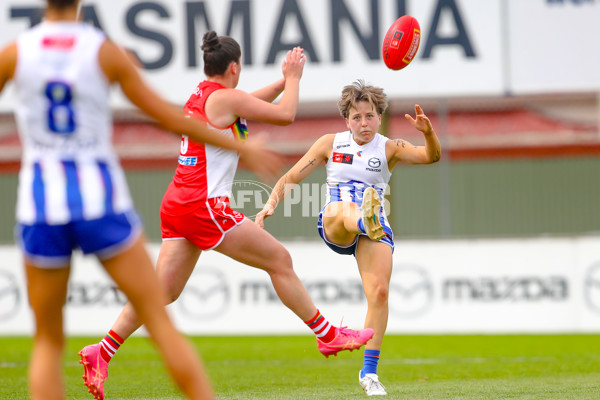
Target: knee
378	293
172	294
171	297
281	262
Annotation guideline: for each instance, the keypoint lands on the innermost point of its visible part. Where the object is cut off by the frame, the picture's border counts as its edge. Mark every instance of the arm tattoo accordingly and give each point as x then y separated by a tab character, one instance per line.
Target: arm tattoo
400	142
311	162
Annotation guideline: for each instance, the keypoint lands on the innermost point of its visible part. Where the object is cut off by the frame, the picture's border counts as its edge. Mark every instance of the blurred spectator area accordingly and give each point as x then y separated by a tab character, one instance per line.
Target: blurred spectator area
469	128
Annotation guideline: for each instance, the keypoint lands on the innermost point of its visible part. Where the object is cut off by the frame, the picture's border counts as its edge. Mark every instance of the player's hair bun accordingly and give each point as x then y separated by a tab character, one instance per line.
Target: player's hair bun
210	42
218	53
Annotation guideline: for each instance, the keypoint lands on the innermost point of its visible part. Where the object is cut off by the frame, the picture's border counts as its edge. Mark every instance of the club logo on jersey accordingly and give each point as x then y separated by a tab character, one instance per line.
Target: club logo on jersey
343	158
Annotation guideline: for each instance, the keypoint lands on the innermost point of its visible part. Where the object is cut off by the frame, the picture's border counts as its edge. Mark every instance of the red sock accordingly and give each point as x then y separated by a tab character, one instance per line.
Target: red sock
109	345
321	327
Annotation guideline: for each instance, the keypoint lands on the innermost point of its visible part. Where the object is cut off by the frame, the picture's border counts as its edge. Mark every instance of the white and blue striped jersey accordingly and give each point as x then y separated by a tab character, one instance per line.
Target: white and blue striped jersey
351	168
69	170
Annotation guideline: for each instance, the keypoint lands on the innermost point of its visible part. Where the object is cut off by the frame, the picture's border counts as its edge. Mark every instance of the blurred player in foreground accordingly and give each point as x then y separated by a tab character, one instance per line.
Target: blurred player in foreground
73	193
195	212
359	164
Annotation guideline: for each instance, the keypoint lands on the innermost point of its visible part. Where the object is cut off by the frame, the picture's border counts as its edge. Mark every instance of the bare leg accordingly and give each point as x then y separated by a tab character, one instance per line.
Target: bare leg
133	272
47	290
176	262
375	265
340	222
254	246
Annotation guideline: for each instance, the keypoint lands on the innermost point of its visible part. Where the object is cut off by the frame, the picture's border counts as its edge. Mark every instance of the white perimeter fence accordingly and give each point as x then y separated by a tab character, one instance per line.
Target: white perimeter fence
542	285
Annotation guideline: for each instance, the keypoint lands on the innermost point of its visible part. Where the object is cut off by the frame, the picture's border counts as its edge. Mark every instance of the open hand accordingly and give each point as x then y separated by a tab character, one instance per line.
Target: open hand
293	64
421	122
267	211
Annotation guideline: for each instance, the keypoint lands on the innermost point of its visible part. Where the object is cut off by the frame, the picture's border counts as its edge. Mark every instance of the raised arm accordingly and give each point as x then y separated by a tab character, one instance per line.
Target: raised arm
270	92
257	106
315	156
400	150
119	68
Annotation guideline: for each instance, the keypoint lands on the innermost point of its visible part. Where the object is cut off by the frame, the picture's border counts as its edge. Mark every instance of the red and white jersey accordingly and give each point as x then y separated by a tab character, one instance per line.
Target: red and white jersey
69	169
204	171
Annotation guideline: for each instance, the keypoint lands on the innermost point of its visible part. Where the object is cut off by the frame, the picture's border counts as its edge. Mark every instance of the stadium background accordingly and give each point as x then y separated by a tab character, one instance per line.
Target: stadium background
511	86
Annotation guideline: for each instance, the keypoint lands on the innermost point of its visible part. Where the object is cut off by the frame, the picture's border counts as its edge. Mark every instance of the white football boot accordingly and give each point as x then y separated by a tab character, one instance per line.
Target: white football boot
370	383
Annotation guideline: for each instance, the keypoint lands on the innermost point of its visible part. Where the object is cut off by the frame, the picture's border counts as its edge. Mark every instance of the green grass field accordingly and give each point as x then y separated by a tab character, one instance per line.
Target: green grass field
411	367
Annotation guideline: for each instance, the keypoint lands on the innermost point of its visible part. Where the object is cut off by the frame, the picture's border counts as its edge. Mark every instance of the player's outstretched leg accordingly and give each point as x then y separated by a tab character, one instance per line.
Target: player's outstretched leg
371	385
95	370
345	339
371	206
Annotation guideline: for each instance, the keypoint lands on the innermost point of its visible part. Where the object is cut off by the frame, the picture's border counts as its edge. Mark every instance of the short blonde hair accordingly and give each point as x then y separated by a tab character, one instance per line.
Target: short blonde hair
359	91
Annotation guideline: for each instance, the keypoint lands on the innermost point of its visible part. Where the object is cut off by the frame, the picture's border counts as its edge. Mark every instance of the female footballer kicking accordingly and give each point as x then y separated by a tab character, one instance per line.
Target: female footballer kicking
359	164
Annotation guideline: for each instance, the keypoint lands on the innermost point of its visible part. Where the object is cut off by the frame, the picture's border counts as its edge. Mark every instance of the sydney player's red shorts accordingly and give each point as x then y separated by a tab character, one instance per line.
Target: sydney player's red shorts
206	226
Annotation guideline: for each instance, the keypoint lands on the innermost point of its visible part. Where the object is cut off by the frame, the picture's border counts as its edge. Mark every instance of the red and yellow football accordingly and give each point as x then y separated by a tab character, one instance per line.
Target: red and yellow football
401	42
